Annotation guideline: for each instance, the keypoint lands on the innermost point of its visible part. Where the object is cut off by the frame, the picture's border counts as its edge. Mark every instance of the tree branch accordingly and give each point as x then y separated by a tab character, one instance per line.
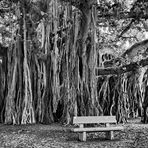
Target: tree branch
123	69
127	28
81	3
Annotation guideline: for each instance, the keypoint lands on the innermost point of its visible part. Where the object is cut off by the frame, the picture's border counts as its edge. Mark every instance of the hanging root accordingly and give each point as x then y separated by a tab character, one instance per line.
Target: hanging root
10	112
28	111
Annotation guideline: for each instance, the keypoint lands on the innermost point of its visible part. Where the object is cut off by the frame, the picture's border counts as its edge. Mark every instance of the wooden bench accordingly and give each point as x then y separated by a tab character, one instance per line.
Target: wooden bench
107	121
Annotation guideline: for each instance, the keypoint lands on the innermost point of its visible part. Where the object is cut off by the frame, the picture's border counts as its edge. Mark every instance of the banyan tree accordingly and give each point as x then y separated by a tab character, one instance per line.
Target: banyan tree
56	66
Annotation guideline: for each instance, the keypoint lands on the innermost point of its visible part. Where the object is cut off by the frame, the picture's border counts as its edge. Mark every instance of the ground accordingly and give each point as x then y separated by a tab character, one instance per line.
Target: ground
134	135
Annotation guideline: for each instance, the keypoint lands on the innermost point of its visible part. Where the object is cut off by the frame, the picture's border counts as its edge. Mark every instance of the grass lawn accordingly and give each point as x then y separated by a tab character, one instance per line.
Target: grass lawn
134	135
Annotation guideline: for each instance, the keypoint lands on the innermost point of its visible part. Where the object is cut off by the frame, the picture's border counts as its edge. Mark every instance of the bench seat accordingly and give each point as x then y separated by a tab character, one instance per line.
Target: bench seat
98	129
